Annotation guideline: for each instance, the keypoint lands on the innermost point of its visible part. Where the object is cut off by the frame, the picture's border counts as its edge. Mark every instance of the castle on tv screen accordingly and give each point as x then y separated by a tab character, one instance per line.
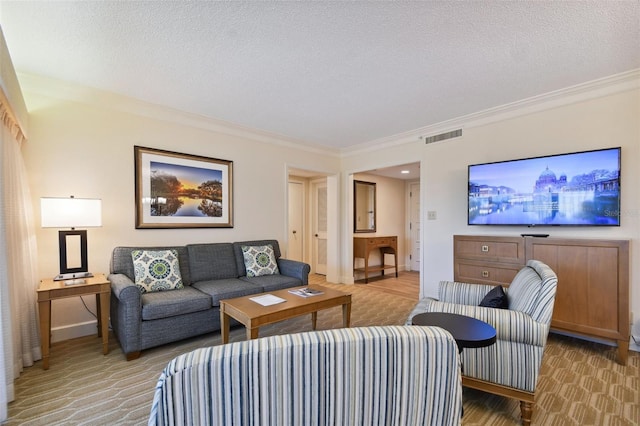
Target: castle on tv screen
585	199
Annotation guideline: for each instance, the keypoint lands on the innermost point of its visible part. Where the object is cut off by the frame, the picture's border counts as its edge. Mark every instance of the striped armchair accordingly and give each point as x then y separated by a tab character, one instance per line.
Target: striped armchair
390	375
510	367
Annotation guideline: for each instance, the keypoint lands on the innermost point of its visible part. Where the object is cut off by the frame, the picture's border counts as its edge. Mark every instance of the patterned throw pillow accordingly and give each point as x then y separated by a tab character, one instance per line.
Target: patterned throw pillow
496	298
260	260
156	270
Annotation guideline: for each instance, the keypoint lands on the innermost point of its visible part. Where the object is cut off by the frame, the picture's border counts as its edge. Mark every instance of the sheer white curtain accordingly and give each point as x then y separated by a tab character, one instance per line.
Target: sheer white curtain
20	342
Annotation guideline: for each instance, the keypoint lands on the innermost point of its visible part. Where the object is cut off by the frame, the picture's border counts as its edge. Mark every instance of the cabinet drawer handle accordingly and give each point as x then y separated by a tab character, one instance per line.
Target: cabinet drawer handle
485	274
485	249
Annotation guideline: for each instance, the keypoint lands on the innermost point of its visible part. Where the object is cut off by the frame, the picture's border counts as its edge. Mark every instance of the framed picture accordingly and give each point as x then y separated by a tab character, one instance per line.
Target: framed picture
176	190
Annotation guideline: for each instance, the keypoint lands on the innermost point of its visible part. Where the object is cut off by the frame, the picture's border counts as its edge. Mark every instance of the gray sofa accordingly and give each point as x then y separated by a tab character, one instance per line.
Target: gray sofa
210	273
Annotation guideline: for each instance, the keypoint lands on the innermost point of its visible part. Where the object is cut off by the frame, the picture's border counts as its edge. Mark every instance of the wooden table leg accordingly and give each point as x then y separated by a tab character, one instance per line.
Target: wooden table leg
314	320
224	325
395	259
252	332
623	352
346	315
98	314
366	270
45	331
103	321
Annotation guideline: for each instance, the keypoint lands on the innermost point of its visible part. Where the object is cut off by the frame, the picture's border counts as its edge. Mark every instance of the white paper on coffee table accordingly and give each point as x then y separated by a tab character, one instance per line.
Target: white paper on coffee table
267	299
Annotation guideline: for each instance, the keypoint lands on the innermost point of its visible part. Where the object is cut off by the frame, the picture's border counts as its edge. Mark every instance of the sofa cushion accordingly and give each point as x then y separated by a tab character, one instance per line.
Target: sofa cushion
273	282
122	262
164	304
211	261
237	249
226	289
260	260
156	270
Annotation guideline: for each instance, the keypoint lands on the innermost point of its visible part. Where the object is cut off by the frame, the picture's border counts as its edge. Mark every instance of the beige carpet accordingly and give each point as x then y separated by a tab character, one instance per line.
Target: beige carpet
580	385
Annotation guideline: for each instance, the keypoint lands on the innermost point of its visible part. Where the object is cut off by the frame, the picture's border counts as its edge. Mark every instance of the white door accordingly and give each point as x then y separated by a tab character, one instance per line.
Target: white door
319	220
296	220
414	225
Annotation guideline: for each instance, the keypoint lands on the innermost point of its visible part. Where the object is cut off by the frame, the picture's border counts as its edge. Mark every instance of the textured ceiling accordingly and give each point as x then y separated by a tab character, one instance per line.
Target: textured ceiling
338	74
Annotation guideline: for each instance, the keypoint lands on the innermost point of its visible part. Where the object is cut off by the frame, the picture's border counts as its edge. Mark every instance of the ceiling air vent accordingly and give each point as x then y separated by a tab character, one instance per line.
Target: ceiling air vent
443	136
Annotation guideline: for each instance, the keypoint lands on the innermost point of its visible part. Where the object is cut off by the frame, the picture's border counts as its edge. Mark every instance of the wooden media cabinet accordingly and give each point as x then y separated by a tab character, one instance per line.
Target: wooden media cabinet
592	298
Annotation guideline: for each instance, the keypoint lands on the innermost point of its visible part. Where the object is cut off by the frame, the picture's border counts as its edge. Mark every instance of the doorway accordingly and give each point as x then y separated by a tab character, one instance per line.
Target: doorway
397	213
319	224
295	245
308	221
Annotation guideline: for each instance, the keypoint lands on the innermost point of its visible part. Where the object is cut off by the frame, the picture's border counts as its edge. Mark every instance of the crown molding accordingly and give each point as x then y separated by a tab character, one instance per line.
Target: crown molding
629	80
58	89
622	82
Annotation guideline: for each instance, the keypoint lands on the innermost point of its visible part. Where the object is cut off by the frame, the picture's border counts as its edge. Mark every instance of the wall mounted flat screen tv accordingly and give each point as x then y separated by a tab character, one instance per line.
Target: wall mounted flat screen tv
574	189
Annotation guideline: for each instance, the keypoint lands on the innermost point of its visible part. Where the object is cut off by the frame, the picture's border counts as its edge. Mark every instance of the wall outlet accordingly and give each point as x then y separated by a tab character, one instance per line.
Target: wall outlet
431	215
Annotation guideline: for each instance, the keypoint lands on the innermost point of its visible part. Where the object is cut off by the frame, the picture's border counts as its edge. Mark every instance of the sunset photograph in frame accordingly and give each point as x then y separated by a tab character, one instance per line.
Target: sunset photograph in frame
175	190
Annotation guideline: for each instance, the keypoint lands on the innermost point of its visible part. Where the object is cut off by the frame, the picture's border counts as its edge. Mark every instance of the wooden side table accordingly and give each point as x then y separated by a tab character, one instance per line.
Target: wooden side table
49	290
468	332
362	247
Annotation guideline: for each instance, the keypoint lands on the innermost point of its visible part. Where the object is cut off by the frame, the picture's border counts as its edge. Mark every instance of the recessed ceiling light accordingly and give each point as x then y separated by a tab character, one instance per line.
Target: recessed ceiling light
405	172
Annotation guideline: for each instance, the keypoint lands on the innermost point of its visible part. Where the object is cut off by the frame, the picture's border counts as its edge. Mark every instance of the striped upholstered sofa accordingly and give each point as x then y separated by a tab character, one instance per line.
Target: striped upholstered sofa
388	375
510	367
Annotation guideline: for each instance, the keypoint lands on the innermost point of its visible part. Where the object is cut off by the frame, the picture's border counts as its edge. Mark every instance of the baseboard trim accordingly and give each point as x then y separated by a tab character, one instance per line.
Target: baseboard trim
73	331
632	345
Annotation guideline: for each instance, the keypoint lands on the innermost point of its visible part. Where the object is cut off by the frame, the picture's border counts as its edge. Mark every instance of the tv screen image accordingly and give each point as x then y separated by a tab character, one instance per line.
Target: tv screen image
577	189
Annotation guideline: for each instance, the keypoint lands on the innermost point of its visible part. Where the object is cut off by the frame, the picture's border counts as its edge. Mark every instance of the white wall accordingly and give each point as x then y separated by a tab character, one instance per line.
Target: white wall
598	123
85	148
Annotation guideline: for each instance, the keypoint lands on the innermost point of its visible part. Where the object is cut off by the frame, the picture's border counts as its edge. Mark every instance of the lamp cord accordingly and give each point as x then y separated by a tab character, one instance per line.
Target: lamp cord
89	310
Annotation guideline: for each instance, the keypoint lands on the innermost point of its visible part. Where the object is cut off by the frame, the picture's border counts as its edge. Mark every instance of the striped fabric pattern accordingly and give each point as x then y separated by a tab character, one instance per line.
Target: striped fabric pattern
510	325
515	359
542	309
454	292
522	292
389	375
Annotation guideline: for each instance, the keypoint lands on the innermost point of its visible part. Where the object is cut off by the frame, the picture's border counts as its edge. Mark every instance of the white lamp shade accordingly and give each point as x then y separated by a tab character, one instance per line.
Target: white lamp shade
70	212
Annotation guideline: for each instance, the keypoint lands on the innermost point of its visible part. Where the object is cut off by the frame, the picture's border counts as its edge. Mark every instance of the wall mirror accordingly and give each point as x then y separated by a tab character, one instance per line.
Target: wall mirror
364	206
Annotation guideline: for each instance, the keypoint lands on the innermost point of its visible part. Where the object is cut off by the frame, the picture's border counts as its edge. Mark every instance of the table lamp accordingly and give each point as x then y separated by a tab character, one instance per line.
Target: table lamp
71	213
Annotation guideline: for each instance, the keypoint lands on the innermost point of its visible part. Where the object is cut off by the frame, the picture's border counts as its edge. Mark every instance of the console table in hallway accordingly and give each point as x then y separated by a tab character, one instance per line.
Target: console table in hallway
362	247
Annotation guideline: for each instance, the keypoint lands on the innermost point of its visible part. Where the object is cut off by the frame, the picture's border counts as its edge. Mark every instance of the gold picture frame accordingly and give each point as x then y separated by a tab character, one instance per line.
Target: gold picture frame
175	190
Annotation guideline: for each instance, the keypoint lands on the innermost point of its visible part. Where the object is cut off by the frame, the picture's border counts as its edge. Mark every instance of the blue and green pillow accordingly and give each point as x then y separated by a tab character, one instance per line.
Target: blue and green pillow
260	260
156	270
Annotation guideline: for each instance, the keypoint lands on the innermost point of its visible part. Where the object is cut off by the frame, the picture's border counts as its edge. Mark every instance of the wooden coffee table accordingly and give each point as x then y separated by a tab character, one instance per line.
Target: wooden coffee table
253	315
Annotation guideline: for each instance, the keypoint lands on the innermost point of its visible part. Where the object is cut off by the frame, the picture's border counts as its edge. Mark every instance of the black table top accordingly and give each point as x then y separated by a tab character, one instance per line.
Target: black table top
468	332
